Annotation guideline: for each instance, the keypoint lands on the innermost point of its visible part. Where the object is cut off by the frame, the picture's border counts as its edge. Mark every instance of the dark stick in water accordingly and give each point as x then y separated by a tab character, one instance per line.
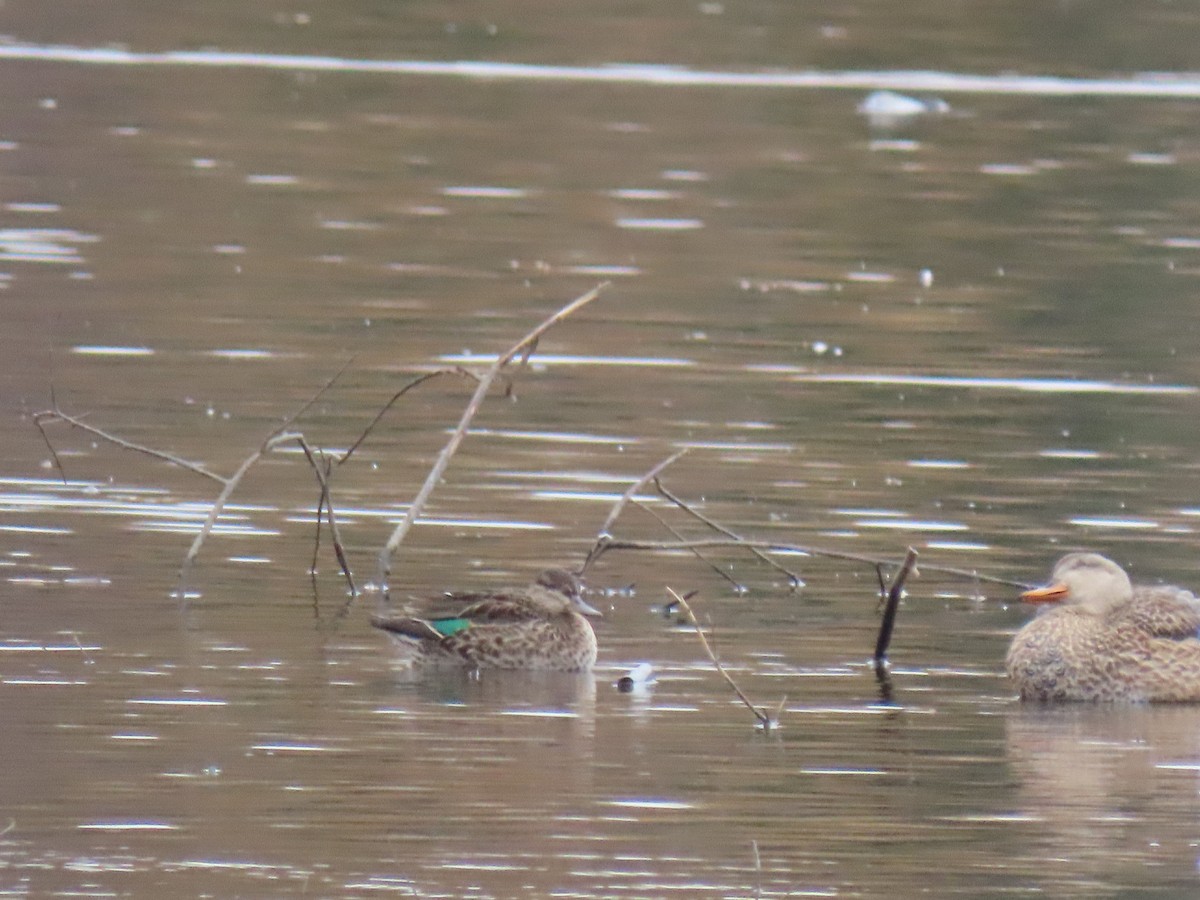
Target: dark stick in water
890	607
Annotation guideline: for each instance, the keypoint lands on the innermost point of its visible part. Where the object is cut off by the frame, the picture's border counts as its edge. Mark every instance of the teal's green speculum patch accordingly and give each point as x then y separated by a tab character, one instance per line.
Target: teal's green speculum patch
447	627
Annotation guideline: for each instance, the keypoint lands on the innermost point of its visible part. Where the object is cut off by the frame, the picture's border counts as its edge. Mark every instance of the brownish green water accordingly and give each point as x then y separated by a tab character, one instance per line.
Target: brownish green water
975	333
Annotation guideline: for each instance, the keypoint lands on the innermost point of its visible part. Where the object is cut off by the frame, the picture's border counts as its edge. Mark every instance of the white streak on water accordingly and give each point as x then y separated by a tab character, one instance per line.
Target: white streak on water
910	525
651	803
485	192
1140	85
1033	385
562	359
98	350
633	224
1112	522
1070	454
128	826
939	464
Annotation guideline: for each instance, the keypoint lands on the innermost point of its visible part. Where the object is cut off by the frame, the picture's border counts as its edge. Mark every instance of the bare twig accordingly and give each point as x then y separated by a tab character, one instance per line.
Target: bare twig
234	480
604	537
893	603
419	380
795	580
326	464
321	469
230	484
765	722
37	420
696	553
439	467
783	547
279	435
50	415
308	404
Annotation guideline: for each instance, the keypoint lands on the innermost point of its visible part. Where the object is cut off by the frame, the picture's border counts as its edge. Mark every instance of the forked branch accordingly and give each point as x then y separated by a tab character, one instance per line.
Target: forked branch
522	348
279	435
604	536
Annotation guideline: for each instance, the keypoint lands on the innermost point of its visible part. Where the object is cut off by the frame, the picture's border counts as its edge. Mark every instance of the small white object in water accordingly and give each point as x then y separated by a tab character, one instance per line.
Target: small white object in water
887	108
638	677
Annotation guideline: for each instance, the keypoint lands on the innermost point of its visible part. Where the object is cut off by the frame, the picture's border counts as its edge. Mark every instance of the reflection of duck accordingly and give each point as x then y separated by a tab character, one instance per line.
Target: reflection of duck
1108	640
1109	789
538	627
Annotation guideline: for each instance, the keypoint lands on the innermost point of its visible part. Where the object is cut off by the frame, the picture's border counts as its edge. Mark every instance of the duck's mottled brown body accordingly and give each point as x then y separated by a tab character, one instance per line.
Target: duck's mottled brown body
1107	640
538	627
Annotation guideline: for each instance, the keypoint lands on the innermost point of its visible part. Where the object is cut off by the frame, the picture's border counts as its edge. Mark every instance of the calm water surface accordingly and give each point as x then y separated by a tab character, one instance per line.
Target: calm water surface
973	332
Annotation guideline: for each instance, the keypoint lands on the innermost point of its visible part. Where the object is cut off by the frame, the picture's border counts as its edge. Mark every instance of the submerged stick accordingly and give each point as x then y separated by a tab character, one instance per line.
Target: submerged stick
443	461
765	722
892	604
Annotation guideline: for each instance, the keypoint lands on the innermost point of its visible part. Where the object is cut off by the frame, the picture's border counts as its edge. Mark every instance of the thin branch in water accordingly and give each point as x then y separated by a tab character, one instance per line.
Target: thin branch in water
604	536
312	566
321	469
49	446
895	590
696	553
87	657
308	404
234	480
219	504
765	722
795	580
784	547
882	584
76	422
416	382
443	461
278	436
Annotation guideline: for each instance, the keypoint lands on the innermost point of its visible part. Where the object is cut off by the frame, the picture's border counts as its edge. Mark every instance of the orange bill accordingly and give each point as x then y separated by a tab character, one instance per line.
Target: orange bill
1051	593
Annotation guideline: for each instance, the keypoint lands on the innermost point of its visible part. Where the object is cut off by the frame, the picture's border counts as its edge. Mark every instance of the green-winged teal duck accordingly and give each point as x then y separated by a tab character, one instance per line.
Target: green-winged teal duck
1106	640
537	627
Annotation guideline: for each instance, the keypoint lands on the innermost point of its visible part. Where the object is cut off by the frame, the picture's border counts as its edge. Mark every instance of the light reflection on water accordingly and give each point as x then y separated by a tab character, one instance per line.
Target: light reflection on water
1158	85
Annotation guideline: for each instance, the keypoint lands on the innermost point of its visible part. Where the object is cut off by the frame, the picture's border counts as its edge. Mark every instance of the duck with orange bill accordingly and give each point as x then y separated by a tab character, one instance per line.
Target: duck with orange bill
1098	637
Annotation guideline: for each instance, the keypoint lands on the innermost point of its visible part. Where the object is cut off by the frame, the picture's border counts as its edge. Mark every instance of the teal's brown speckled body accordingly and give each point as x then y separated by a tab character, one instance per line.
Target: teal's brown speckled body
538	627
1106	640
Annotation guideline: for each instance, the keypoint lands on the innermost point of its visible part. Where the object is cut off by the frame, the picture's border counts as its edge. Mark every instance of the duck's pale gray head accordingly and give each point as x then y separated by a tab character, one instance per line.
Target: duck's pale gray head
1084	579
568	585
